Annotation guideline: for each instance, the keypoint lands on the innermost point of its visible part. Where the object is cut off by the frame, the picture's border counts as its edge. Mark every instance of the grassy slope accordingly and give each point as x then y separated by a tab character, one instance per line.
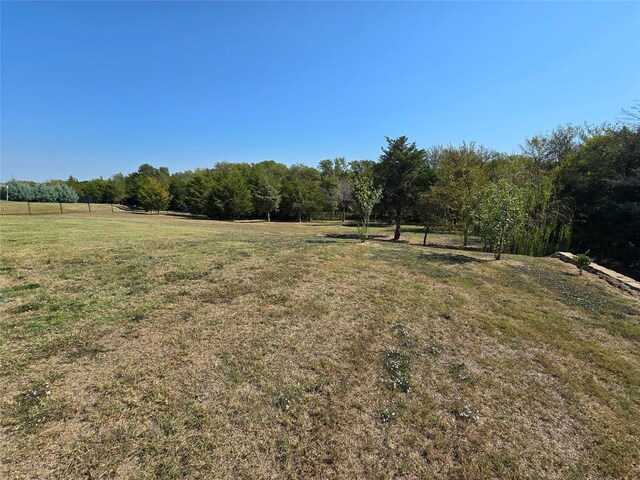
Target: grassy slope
179	348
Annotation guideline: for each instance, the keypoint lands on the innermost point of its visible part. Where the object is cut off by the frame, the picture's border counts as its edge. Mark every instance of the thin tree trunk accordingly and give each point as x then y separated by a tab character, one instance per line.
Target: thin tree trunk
426	232
343	214
396	234
269	217
299	217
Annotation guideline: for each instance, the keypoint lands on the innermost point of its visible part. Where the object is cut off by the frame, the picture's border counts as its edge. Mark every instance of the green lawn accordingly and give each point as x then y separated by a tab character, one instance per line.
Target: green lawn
141	346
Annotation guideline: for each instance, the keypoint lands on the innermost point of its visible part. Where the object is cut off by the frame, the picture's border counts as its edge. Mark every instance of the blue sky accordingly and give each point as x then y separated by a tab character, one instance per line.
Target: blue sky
90	89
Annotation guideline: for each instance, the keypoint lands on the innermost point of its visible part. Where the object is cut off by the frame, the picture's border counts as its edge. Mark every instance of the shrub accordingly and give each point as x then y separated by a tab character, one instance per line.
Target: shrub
19	191
41	192
581	261
366	197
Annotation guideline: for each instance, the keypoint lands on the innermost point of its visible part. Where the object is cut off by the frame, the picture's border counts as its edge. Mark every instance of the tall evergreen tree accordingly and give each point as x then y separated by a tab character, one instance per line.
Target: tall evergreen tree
403	173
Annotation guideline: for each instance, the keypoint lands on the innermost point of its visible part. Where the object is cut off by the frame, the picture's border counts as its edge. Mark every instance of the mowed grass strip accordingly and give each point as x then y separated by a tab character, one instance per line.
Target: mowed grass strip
162	347
55	208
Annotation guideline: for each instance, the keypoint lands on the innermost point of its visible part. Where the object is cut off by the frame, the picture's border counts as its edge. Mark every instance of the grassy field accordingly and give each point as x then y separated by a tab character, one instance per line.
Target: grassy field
46	208
139	346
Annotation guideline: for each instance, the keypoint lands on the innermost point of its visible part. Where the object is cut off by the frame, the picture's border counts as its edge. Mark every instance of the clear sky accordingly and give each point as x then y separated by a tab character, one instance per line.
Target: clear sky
90	89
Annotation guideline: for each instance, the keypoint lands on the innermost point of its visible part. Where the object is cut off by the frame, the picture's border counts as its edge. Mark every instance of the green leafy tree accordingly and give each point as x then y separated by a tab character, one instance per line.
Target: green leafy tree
460	179
116	189
229	196
266	197
238	199
302	191
265	182
548	219
362	167
153	195
499	215
551	148
334	179
366	197
178	188
134	181
402	172
601	178
198	189
96	189
328	182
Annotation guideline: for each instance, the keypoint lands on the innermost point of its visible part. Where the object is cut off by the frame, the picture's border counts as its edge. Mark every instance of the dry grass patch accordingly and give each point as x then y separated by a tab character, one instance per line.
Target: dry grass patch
175	348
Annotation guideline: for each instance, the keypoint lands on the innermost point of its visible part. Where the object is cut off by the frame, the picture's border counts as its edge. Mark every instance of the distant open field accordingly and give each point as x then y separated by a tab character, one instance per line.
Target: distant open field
46	208
142	346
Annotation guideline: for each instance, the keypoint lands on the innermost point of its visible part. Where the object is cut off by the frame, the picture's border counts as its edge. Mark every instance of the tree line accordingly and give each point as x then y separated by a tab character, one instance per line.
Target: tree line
573	187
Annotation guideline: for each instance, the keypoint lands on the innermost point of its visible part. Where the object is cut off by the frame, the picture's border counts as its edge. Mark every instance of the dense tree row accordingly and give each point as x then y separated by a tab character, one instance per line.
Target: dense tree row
573	188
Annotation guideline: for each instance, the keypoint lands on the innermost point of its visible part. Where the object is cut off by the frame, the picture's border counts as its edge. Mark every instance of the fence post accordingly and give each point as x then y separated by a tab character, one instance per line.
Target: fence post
29	207
60	208
89	205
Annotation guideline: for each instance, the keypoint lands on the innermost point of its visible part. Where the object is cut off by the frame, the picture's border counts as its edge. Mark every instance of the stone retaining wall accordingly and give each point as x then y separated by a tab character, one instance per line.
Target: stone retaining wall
614	278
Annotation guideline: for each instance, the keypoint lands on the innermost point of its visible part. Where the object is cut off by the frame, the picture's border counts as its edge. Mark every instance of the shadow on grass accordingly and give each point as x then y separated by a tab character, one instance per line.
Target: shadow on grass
452	258
354	236
188	216
470	248
333	223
